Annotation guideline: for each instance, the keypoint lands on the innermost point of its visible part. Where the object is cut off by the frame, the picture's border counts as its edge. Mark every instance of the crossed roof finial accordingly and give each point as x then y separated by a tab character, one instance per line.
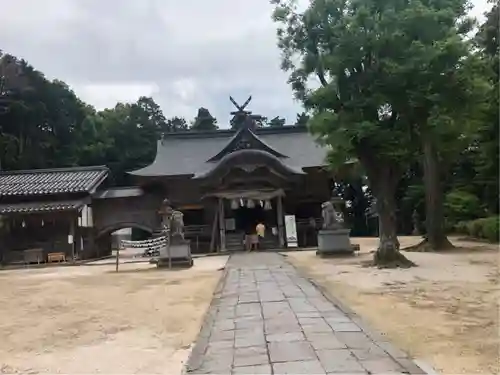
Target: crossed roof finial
241	108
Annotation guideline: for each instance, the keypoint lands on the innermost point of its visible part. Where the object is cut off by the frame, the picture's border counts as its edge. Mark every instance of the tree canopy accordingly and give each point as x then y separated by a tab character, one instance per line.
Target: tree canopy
399	86
204	121
44	124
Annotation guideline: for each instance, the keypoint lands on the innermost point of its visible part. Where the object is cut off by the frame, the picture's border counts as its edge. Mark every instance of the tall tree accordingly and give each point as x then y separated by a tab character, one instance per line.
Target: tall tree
486	148
204	121
302	119
276	122
442	90
127	133
150	112
38	119
341	43
175	124
380	69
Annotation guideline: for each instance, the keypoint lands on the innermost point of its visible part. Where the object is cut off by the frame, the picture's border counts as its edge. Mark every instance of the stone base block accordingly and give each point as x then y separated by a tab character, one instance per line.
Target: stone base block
176	262
179	253
333	242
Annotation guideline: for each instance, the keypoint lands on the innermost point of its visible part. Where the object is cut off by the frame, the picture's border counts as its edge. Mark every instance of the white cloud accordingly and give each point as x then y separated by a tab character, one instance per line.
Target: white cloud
479	7
185	53
185	88
103	95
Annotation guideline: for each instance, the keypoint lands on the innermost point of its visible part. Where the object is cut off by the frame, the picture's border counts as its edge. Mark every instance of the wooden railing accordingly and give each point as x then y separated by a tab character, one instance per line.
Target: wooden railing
194	230
306	222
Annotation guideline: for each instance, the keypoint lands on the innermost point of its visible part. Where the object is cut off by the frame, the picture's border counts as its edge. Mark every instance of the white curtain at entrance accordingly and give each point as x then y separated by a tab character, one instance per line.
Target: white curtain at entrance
235	204
257	195
268	206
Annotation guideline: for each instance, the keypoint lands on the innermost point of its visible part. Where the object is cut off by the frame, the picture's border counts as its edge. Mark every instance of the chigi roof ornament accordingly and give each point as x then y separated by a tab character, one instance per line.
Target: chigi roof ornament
242	117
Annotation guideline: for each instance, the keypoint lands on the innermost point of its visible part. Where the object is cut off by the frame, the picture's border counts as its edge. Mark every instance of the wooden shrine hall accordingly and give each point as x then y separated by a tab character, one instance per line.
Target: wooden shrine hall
224	181
227	181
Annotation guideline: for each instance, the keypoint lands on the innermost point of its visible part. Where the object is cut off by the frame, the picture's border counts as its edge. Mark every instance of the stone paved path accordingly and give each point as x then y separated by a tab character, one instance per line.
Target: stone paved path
267	319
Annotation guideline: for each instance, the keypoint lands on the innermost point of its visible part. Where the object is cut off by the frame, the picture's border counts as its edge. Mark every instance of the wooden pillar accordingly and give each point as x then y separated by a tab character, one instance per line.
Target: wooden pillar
222	225
72	232
281	229
214	229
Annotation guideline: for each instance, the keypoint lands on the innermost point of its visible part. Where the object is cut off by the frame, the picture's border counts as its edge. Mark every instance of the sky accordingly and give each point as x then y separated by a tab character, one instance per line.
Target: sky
186	54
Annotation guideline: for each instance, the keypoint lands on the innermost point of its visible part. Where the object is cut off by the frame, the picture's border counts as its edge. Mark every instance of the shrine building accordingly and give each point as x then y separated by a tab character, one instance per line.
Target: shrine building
227	181
224	181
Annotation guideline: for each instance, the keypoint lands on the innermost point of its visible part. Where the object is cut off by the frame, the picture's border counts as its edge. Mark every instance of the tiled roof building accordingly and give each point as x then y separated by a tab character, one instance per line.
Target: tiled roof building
41	211
51	181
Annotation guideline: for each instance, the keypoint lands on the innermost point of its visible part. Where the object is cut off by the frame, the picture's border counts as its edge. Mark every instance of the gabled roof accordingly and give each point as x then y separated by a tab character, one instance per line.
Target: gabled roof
245	138
119	192
241	157
51	181
40	207
195	153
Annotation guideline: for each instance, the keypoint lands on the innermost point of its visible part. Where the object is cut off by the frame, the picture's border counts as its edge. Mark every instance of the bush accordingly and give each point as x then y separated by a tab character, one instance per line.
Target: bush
461	227
461	205
490	229
474	228
485	228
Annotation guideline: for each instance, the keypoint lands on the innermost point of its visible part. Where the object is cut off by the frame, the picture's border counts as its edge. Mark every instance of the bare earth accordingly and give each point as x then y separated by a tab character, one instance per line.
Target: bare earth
444	312
89	319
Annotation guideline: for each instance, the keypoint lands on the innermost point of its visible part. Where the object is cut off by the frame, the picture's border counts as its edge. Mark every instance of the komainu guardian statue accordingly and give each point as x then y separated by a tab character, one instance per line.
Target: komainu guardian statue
333	238
177	224
332	219
177	251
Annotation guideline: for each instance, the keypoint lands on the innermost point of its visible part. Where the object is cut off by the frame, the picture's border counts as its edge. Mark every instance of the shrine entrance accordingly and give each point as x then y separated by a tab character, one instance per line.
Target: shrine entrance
248	213
246	219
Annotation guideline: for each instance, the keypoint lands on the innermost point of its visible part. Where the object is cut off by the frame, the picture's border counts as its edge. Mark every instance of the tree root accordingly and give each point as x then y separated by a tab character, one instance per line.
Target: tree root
398	260
425	247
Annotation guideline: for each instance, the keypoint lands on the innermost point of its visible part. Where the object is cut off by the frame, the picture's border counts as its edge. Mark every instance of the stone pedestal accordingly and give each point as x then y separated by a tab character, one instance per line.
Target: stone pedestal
180	255
334	242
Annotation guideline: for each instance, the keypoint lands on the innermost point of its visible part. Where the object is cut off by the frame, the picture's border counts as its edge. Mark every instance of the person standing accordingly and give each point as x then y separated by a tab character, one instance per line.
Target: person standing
260	229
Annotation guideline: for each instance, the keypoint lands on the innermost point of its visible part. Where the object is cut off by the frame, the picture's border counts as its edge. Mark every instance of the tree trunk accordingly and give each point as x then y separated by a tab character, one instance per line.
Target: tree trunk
384	184
434	198
386	208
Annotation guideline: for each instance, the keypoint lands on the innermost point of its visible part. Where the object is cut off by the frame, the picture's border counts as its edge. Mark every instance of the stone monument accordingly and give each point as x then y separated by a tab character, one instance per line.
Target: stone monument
333	237
177	251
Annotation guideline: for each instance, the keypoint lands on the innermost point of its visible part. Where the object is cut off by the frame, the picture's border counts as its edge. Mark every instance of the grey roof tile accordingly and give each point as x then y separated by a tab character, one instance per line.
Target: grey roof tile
121	192
39	207
187	154
51	181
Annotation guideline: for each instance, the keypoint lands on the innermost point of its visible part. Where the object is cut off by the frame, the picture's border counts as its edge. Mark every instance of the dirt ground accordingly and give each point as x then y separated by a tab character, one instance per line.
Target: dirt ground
89	319
444	312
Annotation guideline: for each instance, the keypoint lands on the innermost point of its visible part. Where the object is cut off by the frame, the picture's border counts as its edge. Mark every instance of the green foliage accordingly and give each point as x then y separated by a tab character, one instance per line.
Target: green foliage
484	228
395	79
461	206
302	119
276	122
127	136
175	124
44	124
38	118
204	121
487	135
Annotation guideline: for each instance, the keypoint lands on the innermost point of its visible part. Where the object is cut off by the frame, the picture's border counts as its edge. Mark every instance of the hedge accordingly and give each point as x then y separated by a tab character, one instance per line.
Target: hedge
485	228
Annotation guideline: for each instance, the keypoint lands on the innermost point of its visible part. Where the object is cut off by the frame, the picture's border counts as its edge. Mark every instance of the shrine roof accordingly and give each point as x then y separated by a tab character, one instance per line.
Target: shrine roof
119	192
40	207
195	153
51	181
